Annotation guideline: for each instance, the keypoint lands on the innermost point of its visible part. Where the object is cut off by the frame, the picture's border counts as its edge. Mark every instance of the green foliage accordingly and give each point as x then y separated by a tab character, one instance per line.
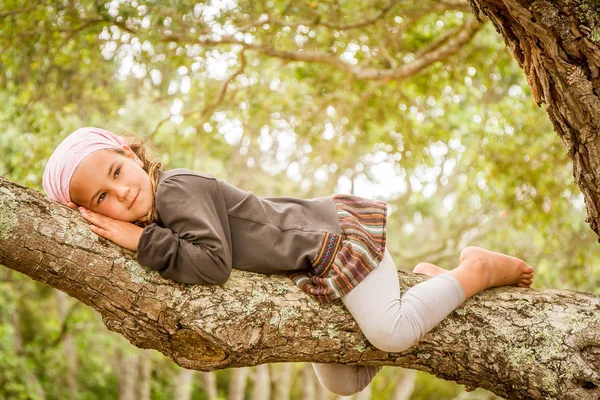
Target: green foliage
459	150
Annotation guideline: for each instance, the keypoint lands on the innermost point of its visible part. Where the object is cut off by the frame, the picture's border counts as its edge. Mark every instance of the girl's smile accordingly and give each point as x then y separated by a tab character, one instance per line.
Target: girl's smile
112	184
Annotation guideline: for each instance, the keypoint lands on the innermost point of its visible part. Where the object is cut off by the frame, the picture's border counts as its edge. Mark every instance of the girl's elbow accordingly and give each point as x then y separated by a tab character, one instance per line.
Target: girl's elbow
221	274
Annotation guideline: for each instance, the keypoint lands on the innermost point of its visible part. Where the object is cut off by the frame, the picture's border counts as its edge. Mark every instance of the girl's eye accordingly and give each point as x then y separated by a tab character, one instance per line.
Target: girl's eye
103	195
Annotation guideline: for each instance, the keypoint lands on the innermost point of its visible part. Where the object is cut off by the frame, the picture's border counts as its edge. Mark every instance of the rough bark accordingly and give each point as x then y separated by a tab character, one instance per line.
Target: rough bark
518	343
557	45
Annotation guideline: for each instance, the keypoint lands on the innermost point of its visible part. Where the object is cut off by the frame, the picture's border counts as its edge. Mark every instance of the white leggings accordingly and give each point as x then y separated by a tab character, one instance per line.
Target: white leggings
390	323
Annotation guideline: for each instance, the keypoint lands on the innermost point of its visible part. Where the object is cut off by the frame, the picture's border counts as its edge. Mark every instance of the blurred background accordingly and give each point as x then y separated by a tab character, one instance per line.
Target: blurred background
414	103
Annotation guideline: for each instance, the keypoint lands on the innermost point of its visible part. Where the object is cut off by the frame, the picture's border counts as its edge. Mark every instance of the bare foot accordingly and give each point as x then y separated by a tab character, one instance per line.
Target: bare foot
501	269
429	269
481	269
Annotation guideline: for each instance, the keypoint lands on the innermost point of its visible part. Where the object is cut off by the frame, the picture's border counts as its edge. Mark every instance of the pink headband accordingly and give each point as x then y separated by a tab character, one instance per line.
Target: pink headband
69	153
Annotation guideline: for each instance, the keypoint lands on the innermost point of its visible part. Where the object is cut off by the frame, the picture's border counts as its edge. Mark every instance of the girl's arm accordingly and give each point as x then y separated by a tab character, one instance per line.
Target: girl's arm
122	233
192	244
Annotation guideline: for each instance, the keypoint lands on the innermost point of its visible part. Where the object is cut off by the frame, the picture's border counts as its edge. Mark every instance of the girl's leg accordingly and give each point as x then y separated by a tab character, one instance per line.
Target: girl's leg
389	323
345	380
394	324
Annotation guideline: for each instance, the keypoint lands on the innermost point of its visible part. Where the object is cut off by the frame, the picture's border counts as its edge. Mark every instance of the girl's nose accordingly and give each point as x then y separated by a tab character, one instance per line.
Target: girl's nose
122	192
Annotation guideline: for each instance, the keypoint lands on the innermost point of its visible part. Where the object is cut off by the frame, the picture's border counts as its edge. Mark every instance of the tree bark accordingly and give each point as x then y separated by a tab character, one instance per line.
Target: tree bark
557	45
517	343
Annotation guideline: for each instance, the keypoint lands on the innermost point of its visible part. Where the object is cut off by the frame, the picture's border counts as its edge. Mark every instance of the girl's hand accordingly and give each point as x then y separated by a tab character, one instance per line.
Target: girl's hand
122	233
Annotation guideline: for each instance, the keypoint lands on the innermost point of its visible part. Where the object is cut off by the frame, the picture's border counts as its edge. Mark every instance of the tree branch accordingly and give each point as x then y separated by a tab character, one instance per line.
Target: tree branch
516	343
439	50
209	109
4	14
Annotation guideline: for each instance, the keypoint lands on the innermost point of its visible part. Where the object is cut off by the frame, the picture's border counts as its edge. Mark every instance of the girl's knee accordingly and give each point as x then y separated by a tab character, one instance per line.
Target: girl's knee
392	338
343	388
394	343
345	380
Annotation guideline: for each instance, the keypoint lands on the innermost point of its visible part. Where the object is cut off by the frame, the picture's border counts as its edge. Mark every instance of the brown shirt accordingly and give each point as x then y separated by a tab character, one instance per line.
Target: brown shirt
207	226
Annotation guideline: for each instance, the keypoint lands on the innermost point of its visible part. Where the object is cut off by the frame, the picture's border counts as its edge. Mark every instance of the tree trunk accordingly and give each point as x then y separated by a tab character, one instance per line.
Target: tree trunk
127	365
183	384
69	346
35	388
282	380
209	384
517	343
237	383
145	371
557	45
262	383
309	380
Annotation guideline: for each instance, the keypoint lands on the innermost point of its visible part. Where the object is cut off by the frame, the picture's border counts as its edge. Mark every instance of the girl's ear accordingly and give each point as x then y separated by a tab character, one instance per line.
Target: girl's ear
130	154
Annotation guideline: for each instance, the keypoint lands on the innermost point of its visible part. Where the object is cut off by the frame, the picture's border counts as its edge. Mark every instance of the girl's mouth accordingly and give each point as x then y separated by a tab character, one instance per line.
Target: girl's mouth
134	199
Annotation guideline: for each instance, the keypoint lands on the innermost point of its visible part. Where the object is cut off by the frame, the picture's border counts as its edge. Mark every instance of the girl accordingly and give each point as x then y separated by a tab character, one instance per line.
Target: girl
194	228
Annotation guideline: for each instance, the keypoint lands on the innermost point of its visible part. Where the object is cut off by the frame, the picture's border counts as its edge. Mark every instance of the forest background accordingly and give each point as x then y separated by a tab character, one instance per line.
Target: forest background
414	103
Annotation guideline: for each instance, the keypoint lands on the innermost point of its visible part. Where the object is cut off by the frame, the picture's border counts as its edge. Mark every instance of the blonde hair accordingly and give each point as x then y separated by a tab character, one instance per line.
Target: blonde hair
152	167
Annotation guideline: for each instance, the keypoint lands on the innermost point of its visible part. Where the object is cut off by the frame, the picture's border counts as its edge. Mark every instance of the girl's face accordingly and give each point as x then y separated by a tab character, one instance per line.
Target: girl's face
113	185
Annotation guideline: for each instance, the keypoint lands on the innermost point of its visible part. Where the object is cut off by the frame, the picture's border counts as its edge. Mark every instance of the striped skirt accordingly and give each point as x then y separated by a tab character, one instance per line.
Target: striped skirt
343	261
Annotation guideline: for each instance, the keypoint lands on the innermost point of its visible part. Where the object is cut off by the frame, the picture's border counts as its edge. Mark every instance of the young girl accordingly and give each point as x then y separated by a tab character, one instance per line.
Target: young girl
194	228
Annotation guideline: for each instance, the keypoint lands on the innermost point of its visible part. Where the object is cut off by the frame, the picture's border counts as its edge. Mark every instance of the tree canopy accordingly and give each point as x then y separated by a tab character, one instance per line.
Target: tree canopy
416	103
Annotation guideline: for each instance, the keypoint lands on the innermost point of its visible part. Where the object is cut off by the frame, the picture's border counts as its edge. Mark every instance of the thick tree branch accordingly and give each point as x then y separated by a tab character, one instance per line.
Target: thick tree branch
331	25
437	51
522	344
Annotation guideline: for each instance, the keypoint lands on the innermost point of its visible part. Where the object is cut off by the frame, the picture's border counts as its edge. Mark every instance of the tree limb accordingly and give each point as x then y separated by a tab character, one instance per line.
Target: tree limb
209	109
518	343
437	51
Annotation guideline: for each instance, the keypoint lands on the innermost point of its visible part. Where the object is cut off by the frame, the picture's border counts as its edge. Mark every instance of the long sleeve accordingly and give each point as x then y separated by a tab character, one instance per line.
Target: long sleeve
192	242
